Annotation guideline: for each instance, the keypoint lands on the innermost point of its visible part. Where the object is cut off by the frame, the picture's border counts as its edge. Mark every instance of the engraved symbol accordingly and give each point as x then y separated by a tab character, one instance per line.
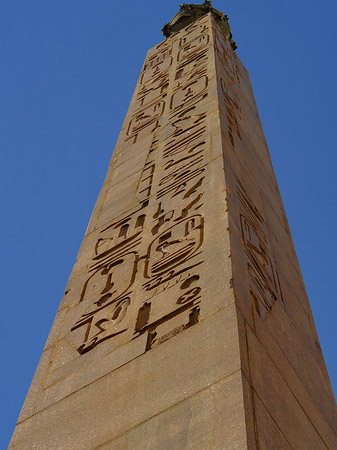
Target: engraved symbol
145	185
149	95
174	246
102	324
156	68
194	91
193	47
265	287
162	322
109	306
193	31
106	291
142	119
233	109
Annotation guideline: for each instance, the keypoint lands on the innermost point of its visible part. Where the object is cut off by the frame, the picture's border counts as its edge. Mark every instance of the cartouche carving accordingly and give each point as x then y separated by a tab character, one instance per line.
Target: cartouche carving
149	94
176	244
193	47
146	116
157	65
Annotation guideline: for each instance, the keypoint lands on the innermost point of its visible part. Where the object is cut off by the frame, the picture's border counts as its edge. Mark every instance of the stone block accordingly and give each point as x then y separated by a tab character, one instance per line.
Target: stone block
139	390
280	401
213	415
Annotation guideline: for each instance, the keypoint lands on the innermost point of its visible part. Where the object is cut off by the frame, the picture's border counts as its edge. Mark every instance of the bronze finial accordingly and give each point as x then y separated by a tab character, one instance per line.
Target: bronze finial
189	12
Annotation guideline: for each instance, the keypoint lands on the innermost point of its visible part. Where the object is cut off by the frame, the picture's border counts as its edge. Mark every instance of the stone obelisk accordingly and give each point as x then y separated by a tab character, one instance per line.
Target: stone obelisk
185	322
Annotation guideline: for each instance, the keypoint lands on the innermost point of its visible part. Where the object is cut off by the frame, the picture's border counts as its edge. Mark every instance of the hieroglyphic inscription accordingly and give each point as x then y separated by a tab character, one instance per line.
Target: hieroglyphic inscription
264	282
147	115
151	95
167	266
183	156
230	81
174	244
174	231
175	253
194	30
109	285
108	288
189	50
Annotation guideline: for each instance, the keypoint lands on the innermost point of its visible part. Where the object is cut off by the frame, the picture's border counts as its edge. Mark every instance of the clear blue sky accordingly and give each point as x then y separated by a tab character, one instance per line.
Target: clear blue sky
67	72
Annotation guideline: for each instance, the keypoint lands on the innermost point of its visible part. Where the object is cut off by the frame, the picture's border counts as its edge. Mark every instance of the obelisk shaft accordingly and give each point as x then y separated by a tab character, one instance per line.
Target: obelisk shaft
185	322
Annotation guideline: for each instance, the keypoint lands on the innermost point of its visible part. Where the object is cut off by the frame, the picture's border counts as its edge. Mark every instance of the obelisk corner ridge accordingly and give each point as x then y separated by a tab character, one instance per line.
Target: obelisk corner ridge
190	12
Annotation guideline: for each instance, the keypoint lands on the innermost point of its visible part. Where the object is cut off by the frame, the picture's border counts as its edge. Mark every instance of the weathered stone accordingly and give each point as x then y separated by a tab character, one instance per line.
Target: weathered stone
185	322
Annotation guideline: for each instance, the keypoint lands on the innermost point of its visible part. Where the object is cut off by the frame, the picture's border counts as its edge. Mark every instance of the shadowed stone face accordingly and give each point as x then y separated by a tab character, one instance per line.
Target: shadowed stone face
185	322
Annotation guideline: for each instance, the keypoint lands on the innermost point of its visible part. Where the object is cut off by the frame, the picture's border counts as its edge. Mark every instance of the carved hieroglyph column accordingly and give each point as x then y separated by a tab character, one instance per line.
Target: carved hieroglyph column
185	322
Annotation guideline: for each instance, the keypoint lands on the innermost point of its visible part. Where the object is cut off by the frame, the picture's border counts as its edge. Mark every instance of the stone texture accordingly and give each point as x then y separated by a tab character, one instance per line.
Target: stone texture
143	388
211	416
185	322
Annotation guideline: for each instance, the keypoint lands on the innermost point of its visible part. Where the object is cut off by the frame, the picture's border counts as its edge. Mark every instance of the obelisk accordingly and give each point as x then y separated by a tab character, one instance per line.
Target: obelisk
185	322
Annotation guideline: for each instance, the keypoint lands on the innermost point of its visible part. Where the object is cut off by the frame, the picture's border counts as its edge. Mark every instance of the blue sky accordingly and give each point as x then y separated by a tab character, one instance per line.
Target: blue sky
67	73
